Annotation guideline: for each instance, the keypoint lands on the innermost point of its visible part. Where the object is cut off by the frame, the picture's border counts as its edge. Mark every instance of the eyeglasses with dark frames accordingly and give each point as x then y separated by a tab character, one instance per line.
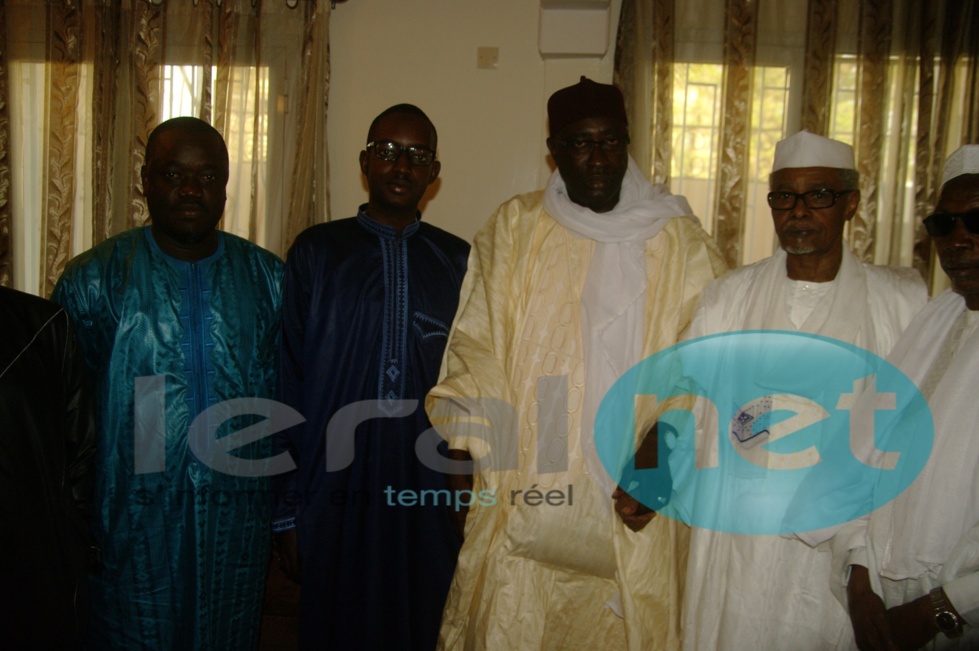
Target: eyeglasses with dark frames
391	151
943	223
587	145
814	199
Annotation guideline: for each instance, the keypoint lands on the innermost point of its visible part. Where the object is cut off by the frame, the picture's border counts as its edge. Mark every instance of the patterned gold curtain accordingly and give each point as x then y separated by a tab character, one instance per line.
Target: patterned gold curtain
644	73
897	79
740	35
87	80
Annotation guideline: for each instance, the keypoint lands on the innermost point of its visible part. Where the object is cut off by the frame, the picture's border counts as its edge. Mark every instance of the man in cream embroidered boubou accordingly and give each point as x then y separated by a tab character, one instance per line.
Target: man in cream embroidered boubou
567	289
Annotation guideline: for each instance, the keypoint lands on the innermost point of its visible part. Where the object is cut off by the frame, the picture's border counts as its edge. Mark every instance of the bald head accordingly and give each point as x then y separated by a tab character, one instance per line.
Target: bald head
186	125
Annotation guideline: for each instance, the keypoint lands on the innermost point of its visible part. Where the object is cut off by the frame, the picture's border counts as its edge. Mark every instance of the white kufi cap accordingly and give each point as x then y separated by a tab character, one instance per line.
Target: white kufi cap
964	160
806	149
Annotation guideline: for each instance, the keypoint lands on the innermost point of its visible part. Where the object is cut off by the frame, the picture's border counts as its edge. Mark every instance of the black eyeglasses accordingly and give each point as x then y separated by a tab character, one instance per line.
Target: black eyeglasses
587	146
391	151
814	199
943	223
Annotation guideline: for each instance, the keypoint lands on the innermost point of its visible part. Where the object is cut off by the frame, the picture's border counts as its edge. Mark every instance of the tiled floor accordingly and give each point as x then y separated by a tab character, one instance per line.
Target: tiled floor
280	615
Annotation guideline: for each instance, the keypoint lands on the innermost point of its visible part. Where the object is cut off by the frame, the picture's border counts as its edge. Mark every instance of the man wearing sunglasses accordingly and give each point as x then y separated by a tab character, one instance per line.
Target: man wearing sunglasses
367	305
768	591
910	570
567	289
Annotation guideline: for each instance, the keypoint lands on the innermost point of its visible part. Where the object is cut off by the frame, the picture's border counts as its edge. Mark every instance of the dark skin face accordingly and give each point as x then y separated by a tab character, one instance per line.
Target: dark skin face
593	179
813	238
395	188
959	250
184	181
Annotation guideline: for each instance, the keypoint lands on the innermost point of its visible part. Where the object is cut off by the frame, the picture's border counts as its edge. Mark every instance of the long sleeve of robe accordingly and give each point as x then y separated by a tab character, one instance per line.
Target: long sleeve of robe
185	546
560	572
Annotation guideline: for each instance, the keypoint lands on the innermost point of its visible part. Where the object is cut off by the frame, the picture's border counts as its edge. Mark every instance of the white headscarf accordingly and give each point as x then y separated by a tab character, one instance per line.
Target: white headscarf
613	301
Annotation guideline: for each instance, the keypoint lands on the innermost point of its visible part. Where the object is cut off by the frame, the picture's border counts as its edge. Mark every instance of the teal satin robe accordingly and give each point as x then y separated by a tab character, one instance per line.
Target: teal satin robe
185	546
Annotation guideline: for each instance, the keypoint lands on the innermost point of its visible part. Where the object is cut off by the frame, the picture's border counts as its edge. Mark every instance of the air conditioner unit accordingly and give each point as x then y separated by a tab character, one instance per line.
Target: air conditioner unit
574	28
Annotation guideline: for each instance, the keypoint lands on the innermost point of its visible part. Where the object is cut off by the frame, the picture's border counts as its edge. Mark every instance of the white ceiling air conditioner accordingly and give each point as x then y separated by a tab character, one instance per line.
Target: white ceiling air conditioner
574	28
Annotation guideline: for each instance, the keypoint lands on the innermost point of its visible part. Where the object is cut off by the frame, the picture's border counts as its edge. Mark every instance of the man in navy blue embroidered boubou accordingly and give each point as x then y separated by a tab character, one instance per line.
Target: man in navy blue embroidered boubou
178	321
367	305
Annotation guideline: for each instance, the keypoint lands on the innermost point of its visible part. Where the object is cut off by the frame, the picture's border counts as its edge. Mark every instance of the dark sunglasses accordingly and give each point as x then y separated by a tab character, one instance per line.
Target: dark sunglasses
391	151
942	223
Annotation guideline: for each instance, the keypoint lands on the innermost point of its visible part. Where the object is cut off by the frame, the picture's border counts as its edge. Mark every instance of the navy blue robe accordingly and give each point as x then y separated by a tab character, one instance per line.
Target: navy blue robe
366	316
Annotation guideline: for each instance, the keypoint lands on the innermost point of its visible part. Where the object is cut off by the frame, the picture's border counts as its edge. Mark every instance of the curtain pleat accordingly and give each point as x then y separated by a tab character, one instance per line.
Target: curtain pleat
873	53
929	152
206	47
215	109
106	64
65	56
629	53
740	37
817	81
663	19
970	27
309	165
146	48
644	73
253	144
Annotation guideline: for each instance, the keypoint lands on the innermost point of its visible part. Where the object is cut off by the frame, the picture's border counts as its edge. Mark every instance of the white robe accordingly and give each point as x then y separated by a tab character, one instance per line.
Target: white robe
771	592
929	535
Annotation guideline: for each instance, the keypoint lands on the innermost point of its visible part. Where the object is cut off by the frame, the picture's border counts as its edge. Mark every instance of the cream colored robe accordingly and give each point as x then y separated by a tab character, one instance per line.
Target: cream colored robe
539	575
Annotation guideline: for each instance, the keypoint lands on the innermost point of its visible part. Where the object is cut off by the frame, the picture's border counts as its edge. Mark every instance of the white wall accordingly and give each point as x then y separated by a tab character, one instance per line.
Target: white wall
492	123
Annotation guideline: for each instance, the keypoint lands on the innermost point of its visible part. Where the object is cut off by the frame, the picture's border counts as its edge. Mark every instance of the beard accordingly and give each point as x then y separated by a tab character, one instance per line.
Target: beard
800	250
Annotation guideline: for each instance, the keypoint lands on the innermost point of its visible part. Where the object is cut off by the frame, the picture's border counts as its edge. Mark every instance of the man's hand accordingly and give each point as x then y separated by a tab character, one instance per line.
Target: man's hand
285	549
871	624
913	623
634	514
